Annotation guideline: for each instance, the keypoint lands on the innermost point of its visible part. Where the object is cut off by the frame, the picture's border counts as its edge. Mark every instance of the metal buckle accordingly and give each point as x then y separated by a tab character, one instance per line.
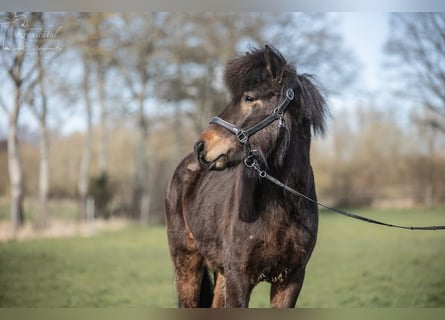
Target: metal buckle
279	113
290	94
242	137
249	162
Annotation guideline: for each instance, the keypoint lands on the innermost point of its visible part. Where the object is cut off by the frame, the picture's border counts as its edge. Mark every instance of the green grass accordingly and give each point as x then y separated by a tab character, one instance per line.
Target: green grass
355	264
124	268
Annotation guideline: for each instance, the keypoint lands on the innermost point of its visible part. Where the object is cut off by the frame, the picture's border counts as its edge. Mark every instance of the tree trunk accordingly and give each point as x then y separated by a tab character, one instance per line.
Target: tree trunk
430	181
86	157
42	219
15	170
140	177
103	141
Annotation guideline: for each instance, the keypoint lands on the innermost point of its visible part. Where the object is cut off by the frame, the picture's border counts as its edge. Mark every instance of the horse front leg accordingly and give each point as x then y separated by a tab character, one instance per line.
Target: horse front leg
238	290
285	294
219	293
189	269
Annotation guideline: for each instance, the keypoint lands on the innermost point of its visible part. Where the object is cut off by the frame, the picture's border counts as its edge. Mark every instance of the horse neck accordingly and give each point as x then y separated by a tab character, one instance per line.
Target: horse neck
296	161
255	192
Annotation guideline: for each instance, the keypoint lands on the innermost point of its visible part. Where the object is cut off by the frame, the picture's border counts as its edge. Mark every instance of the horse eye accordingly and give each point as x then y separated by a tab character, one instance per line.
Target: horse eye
249	99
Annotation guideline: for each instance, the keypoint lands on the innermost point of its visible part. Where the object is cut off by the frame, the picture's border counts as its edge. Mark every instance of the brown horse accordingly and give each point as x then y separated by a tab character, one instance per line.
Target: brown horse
222	217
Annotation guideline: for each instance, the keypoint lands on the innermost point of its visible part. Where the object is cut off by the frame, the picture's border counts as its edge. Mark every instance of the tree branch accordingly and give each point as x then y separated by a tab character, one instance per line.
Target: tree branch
420	46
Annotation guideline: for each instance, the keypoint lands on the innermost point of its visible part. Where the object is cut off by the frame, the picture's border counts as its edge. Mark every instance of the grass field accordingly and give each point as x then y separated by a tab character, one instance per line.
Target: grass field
354	265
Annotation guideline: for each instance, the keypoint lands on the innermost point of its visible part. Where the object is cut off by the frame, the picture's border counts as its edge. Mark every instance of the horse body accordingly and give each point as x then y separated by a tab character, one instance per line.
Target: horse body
232	222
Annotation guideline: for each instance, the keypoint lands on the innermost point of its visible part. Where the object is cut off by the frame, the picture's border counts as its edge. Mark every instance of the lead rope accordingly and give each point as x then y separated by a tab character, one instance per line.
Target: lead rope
251	163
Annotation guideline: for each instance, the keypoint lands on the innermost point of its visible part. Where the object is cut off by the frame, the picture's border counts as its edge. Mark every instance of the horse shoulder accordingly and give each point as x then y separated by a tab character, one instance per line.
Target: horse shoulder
183	180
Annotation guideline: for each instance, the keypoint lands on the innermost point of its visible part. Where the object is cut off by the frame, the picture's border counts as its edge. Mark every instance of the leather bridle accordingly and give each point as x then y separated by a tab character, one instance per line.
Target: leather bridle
244	135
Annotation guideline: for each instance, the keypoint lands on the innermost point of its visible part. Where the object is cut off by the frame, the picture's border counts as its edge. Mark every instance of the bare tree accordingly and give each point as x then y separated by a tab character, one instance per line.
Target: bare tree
102	43
42	219
138	68
17	54
416	47
313	42
83	40
84	172
417	43
47	50
425	163
201	44
90	35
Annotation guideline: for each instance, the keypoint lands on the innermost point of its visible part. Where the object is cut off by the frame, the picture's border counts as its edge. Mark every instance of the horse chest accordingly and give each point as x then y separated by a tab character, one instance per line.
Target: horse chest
273	258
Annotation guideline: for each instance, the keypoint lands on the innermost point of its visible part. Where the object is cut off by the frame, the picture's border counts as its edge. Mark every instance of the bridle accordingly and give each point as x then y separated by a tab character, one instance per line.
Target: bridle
251	161
244	135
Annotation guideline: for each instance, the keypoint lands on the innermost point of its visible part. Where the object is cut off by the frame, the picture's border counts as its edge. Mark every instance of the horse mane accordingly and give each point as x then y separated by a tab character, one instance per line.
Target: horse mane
249	71
312	101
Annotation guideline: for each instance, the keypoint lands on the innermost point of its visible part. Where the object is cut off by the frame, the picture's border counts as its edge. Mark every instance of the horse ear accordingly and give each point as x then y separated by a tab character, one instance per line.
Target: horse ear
274	61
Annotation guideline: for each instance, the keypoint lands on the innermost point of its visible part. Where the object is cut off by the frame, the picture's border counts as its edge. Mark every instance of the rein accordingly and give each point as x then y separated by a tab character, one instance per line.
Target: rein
250	161
263	174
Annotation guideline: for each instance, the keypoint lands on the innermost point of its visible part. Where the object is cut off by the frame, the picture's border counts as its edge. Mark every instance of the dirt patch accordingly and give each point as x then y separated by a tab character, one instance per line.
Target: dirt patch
60	229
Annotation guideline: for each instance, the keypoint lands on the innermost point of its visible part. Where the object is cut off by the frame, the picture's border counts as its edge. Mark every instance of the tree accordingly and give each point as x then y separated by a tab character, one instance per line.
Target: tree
138	67
201	44
426	164
312	42
417	44
91	37
18	61
37	99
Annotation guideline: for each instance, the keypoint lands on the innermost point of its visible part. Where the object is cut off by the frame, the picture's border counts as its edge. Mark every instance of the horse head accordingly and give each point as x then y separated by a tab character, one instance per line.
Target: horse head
260	82
257	82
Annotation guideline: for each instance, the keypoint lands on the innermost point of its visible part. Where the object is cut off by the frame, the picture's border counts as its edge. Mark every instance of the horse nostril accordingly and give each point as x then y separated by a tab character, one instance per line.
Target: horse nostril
199	149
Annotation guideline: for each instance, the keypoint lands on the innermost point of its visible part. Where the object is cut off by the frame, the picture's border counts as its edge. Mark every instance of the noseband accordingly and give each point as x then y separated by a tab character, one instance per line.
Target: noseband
244	135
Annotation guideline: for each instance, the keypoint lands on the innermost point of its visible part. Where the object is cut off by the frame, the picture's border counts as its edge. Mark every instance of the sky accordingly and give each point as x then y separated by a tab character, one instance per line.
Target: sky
364	33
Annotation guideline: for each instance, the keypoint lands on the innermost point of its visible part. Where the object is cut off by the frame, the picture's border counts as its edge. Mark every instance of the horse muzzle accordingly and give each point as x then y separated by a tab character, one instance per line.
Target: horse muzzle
209	160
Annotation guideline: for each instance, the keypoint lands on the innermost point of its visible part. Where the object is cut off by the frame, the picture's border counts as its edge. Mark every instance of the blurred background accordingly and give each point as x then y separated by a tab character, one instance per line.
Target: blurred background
98	108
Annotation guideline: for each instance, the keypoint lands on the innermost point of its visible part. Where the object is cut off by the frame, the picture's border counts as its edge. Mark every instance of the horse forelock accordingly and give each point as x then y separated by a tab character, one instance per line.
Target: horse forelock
249	71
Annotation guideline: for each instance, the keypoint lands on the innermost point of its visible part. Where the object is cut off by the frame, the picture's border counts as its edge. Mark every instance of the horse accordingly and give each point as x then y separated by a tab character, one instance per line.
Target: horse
228	229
